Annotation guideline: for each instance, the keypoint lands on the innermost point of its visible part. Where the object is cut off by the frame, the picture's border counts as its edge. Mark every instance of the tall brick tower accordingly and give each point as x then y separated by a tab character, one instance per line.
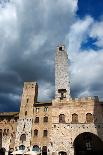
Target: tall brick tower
62	84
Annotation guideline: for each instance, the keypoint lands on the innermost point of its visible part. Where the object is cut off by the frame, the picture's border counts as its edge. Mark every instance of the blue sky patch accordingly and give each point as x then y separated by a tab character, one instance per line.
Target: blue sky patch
90	44
90	7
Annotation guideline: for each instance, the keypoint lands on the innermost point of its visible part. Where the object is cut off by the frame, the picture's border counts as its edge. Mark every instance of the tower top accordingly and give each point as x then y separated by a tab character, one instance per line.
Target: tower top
62	84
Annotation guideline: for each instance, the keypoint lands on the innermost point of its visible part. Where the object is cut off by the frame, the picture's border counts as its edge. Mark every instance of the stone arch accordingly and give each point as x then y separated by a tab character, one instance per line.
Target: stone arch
62	149
88	143
62	153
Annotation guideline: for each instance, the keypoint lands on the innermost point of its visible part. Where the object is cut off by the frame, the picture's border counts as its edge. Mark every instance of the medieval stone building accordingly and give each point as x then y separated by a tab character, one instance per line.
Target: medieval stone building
64	126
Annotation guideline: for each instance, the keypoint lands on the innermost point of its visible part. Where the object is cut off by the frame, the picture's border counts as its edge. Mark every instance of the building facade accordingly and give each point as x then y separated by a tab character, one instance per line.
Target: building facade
64	126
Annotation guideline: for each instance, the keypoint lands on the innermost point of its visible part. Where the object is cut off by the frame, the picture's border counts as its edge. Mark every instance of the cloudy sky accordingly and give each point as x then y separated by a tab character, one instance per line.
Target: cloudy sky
30	30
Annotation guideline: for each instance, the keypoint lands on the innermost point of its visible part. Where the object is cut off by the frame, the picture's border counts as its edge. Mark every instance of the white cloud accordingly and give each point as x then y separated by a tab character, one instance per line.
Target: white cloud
86	65
97	32
78	32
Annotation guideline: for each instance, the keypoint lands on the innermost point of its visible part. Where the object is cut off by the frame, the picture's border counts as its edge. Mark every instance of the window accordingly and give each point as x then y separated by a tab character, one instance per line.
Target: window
25	113
35	132
89	118
62	93
61	118
45	109
27	100
37	120
44	150
74	118
37	109
60	48
45	119
23	137
45	133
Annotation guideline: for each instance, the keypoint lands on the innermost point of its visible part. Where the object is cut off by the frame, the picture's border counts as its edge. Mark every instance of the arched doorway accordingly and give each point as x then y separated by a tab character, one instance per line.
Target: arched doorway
62	153
44	150
88	144
2	151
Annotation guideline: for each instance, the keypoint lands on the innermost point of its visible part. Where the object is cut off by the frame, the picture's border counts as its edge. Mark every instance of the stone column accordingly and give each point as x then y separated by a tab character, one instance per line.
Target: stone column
71	151
6	152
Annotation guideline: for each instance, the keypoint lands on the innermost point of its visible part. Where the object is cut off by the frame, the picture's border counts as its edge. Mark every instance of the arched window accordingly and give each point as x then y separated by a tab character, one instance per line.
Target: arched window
45	119
45	133
74	118
23	137
35	132
61	118
89	118
36	119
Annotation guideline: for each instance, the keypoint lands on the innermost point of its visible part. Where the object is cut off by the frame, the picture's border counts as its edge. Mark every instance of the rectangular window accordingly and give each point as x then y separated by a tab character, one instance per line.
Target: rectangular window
45	119
36	119
35	132
45	109
37	110
45	134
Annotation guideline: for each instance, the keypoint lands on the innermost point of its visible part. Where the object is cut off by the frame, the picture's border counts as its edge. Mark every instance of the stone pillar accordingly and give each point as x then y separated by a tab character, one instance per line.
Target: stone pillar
6	152
71	151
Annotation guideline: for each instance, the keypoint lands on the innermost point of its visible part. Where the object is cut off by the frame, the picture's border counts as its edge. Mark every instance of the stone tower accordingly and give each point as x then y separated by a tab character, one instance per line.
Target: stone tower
24	124
62	84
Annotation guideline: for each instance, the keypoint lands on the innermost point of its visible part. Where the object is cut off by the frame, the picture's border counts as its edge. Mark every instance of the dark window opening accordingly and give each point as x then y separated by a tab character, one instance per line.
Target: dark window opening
23	137
89	118
25	113
27	100
45	134
74	118
45	119
37	120
44	150
60	48
61	118
35	132
62	93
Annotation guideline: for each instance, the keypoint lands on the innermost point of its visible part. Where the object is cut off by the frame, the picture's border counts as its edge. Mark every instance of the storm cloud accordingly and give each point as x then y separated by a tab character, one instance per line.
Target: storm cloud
29	34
